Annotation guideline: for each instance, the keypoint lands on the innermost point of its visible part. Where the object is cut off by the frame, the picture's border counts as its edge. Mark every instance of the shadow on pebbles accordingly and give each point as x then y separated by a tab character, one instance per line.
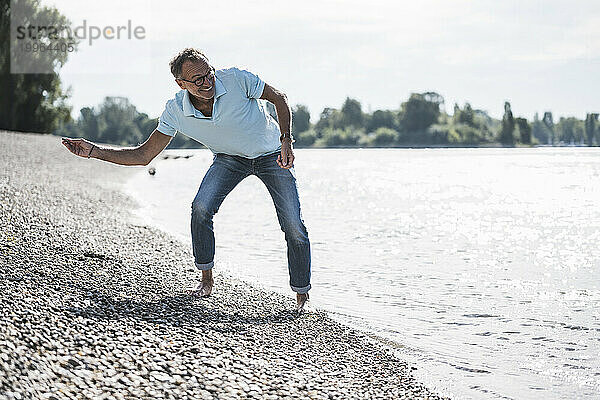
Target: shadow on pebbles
94	306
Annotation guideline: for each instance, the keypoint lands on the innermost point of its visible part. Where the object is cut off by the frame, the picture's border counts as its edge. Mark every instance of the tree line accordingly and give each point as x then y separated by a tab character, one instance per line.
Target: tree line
38	103
420	121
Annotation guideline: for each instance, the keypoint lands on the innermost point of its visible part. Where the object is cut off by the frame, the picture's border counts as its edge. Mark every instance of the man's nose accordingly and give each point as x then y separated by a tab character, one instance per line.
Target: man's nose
207	82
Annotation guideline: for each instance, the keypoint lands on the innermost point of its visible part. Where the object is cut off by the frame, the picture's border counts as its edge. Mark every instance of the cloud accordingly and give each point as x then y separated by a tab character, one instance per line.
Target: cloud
380	51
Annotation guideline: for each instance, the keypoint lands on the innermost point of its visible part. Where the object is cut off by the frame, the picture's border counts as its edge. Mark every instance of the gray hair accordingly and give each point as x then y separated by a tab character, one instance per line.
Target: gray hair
189	54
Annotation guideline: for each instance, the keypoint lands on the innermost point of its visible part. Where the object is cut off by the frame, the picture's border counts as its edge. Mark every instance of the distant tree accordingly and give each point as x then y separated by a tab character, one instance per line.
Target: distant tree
418	113
117	122
89	124
468	134
549	123
300	119
145	124
465	116
570	130
32	102
465	126
508	127
339	137
590	128
440	134
539	130
456	112
381	119
305	139
352	115
456	134
486	125
381	137
329	118
524	130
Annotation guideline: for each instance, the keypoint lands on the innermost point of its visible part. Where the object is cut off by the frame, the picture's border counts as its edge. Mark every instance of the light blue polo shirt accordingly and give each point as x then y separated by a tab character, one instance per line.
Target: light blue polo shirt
240	123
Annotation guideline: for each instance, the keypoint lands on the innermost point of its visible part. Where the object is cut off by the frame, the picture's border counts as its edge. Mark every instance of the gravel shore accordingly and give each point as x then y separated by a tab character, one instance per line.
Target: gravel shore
93	304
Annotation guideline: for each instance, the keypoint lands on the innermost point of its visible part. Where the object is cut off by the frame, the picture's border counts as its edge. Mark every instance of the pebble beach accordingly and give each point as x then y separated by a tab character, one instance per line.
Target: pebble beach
93	304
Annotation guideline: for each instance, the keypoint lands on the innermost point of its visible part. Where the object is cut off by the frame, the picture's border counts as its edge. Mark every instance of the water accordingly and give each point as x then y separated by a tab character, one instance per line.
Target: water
481	265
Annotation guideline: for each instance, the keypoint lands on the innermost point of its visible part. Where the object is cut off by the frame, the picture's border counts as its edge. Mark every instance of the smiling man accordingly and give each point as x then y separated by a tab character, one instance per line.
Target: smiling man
220	109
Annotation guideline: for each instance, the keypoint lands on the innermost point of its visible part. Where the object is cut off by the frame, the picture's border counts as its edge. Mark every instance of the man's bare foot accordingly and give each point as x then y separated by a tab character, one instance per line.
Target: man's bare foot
204	288
302	301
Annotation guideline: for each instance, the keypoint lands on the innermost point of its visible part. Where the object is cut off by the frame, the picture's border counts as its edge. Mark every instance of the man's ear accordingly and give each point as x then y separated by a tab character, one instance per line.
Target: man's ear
179	83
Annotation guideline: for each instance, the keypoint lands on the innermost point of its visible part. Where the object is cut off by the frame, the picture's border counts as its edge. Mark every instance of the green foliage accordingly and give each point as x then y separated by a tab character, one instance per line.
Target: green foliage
549	124
381	119
465	116
338	137
590	128
330	118
443	133
352	115
487	125
418	113
300	119
507	137
467	134
380	138
465	127
539	130
117	120
455	134
570	130
420	121
32	102
305	139
524	130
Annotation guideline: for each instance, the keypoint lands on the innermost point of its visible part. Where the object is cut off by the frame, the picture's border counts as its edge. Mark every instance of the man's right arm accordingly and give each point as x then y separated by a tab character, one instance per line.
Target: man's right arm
139	155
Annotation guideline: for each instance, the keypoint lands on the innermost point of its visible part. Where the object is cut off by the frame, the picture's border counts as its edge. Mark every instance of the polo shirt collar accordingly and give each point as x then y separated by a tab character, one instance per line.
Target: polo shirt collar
188	108
219	88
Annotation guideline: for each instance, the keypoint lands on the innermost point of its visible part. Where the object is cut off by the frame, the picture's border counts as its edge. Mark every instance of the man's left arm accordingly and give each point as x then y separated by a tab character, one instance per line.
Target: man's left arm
279	99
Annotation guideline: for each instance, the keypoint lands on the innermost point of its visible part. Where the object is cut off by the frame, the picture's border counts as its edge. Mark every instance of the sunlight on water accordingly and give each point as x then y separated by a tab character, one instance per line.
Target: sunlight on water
482	264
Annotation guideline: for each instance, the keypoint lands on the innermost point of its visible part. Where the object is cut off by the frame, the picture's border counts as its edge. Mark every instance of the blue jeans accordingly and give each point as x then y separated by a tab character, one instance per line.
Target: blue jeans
223	175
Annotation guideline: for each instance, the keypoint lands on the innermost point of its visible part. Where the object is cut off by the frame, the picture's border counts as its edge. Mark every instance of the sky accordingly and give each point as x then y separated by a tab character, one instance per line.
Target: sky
539	55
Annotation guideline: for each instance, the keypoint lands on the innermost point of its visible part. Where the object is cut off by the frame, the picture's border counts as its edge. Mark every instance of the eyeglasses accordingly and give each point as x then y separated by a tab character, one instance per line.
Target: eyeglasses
200	81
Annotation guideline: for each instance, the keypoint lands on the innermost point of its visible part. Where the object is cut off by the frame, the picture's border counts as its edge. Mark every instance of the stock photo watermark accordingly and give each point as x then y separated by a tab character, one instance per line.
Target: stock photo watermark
82	32
43	40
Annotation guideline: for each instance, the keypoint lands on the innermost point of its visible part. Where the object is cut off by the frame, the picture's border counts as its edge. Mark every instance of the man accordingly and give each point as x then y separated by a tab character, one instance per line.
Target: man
220	109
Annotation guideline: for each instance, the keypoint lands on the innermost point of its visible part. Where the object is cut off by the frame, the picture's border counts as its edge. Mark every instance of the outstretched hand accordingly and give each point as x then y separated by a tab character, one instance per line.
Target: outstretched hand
79	147
286	158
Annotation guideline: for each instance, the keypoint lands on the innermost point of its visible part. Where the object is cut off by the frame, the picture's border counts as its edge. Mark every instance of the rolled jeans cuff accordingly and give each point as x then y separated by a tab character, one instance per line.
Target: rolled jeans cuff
301	290
205	267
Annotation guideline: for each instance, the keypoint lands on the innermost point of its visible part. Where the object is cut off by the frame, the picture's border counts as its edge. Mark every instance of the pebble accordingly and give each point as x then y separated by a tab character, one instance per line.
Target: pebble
94	304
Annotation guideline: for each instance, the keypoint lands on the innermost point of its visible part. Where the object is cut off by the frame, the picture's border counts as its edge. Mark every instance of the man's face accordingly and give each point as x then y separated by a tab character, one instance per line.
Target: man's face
192	71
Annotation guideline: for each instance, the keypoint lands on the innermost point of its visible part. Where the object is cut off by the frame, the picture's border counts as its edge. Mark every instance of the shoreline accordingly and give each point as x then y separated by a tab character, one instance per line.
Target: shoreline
94	304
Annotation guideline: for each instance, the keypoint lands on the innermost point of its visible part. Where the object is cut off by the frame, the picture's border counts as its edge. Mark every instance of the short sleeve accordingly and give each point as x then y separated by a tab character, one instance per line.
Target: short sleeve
167	123
252	84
